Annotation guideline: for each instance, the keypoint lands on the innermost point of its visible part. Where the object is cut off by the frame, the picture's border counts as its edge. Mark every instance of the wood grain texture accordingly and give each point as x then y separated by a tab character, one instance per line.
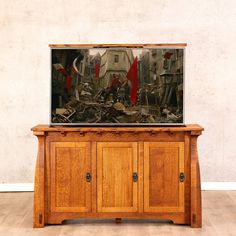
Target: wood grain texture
94	177
70	162
187	181
175	217
196	199
163	162
116	45
38	215
112	155
140	176
107	136
189	127
117	161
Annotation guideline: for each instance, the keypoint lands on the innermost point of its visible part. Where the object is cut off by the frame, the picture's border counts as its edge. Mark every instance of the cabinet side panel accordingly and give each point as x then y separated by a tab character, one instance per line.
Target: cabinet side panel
187	195
196	199
39	185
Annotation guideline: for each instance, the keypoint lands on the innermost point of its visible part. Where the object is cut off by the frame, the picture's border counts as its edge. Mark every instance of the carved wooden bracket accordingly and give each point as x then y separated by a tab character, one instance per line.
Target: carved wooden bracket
117	132
196	132
81	133
39	133
63	133
170	133
153	132
99	132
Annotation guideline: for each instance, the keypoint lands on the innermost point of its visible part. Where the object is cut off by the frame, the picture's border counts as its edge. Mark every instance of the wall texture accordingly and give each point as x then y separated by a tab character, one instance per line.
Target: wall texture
27	27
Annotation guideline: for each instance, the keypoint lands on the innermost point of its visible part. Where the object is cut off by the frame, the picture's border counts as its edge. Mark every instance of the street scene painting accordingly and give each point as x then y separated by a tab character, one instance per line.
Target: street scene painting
117	86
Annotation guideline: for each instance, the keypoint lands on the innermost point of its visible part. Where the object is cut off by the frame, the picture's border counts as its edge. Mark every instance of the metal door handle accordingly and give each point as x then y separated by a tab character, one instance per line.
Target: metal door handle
181	177
135	177
88	177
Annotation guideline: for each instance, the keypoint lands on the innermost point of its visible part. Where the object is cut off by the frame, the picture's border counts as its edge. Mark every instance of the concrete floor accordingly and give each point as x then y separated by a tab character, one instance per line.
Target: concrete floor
219	218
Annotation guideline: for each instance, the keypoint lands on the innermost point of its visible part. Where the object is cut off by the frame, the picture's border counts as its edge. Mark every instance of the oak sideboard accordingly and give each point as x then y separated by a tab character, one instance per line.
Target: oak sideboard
117	172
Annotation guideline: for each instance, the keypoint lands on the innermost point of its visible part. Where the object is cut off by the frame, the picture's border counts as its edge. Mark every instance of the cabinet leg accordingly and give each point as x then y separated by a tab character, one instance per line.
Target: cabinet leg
196	205
179	222
38	215
38	221
118	220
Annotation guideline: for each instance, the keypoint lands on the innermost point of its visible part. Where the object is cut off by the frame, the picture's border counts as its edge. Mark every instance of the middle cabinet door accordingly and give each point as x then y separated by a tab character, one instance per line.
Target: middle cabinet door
117	177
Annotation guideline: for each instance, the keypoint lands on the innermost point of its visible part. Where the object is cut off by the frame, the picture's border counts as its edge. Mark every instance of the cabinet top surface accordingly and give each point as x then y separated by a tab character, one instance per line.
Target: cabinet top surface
45	128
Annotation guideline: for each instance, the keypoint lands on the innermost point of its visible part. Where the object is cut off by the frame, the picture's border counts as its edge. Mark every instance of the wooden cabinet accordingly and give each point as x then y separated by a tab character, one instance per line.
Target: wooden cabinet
117	163
163	170
117	173
70	168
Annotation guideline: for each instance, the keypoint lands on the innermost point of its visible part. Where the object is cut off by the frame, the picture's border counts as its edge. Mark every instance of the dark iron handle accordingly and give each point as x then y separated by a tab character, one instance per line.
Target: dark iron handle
88	177
181	177
135	177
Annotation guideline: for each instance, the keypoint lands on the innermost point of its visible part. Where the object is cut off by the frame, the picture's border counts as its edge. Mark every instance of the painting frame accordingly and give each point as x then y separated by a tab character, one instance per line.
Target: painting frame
119	46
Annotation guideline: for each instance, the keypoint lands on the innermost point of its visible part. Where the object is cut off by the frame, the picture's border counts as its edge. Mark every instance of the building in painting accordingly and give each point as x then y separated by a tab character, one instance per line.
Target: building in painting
144	72
95	62
90	66
150	66
172	78
161	73
114	63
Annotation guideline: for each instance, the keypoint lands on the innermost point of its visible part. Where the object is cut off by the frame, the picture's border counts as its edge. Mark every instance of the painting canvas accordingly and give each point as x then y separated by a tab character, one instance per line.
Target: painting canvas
117	85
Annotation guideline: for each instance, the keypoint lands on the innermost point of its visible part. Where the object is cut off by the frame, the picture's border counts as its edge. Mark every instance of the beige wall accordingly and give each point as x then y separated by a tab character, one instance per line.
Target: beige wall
27	27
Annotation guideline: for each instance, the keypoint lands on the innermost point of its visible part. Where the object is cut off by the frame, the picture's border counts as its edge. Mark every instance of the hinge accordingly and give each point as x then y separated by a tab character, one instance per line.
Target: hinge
181	177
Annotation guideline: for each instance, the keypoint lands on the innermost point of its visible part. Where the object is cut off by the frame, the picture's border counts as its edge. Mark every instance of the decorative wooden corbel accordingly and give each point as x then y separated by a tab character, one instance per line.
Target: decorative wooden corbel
171	133
63	133
135	132
117	132
153	132
81	133
99	132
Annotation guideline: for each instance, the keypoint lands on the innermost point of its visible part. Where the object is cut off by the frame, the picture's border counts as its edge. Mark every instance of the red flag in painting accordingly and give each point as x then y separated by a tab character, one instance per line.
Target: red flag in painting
97	69
167	55
59	67
132	75
68	83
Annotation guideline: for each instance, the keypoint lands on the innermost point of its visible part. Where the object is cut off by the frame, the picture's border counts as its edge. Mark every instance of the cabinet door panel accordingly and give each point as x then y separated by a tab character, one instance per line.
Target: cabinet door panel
70	161
163	163
117	161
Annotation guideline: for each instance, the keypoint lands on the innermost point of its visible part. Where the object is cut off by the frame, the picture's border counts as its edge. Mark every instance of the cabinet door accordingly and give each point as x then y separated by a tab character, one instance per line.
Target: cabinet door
116	164
70	162
163	163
